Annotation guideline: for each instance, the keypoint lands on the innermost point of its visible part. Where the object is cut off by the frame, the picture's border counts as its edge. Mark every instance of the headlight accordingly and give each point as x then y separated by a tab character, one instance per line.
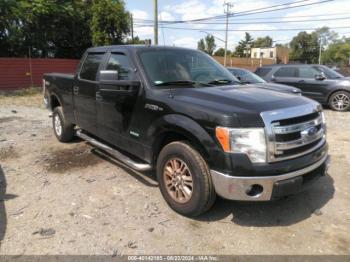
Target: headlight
250	141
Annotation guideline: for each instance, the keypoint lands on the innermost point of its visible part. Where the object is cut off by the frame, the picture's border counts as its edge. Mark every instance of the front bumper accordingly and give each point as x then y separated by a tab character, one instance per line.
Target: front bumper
267	187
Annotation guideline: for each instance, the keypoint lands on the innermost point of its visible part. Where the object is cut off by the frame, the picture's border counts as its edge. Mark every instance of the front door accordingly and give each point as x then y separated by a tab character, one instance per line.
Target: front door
84	92
309	85
115	107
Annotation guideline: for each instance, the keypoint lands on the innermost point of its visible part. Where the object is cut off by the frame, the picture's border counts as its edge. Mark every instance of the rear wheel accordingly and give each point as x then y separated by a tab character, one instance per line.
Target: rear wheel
340	101
64	131
184	179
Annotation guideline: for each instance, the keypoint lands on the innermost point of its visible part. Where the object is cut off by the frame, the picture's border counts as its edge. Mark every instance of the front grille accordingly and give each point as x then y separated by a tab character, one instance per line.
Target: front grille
290	136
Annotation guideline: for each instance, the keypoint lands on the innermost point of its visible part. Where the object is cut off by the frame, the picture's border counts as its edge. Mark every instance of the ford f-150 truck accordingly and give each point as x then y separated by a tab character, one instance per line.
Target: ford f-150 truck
178	112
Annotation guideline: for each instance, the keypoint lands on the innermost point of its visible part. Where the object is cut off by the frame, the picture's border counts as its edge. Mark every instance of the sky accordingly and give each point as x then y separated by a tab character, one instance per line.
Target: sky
169	10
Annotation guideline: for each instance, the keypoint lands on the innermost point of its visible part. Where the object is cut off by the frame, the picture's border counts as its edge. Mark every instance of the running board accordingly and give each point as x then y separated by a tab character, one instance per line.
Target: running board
115	153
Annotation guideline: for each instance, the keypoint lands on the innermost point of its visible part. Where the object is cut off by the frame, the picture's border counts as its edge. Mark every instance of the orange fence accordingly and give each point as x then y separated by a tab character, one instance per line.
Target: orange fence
17	73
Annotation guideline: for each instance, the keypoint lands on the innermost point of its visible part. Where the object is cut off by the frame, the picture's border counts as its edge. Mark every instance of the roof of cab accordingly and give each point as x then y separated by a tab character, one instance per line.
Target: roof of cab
133	47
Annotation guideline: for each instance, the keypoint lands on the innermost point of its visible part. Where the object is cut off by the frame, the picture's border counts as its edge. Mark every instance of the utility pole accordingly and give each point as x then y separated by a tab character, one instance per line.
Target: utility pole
227	6
320	52
132	28
156	22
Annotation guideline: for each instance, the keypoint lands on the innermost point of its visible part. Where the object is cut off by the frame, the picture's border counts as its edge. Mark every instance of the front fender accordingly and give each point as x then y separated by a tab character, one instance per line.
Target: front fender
187	127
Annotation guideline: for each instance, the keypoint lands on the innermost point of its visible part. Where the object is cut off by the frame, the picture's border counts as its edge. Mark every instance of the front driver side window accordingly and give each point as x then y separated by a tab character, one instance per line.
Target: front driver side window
120	62
308	72
89	69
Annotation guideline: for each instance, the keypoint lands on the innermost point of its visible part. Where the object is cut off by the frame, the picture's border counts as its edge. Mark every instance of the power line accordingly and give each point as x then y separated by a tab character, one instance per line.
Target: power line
251	30
266	22
242	12
140	21
249	12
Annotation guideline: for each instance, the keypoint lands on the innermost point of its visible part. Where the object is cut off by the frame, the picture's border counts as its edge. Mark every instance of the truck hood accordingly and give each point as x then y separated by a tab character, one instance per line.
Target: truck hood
279	88
234	104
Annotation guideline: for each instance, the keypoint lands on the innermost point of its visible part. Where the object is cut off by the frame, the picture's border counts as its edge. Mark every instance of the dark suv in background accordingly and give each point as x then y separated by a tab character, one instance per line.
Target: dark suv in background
315	81
246	78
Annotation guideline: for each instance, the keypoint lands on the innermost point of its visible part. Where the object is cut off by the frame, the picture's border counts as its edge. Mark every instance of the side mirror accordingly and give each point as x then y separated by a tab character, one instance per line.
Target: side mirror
109	75
273	79
239	78
110	85
320	77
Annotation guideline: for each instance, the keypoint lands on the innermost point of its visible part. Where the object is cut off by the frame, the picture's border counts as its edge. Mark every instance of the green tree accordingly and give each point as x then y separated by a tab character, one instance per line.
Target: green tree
243	46
60	28
337	53
304	47
221	52
11	36
327	36
110	22
207	44
263	42
138	41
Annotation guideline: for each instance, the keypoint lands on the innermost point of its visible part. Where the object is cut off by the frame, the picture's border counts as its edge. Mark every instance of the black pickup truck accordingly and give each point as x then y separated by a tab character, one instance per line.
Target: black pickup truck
180	113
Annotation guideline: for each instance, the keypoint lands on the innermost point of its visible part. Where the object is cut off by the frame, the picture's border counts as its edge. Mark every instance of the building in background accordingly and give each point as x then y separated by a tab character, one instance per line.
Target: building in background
279	54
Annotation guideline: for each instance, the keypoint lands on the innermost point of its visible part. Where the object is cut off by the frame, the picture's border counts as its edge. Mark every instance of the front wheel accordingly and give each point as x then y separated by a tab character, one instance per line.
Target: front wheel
184	179
340	101
64	131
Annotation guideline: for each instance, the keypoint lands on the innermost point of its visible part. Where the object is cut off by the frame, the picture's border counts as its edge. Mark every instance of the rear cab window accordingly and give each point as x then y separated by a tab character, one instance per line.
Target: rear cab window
90	66
286	72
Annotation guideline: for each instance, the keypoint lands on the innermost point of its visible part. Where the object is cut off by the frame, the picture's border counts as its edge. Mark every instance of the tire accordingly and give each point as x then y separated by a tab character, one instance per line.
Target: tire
180	155
64	131
340	101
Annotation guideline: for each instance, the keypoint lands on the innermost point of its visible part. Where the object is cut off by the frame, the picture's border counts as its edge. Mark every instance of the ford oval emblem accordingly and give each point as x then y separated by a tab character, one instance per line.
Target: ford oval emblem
309	132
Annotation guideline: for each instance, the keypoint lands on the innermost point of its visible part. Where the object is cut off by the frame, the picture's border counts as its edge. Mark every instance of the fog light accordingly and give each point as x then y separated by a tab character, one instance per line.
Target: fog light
254	190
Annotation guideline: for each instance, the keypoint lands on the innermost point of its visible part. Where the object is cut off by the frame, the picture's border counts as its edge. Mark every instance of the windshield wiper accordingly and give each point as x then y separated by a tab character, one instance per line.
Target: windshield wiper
220	81
182	83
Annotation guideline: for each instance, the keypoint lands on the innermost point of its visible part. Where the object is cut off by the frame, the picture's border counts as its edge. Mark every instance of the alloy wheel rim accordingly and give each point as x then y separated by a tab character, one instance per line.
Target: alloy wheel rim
58	125
341	101
178	180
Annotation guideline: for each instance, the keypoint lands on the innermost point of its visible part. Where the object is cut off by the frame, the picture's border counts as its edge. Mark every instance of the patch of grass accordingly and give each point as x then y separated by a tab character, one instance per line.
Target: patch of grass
23	97
22	92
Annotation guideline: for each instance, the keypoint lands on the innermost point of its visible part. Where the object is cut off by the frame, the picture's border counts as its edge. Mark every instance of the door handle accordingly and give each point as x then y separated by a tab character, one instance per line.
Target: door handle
301	81
76	90
98	96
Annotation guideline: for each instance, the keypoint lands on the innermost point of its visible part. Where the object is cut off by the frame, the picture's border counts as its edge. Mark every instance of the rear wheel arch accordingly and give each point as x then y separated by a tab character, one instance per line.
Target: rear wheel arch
54	101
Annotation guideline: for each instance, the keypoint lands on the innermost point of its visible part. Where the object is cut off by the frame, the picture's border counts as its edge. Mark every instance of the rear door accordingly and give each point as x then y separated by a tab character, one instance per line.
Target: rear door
84	92
286	75
309	85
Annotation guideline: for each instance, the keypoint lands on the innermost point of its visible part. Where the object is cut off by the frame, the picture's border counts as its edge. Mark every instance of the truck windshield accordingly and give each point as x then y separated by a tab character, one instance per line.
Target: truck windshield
184	68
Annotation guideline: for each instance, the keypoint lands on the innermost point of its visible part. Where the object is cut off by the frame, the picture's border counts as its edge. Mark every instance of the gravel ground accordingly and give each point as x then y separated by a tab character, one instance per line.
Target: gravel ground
70	199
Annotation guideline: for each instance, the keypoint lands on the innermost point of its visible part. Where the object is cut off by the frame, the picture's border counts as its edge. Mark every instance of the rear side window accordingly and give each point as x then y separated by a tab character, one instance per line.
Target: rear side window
262	71
286	72
89	69
121	63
